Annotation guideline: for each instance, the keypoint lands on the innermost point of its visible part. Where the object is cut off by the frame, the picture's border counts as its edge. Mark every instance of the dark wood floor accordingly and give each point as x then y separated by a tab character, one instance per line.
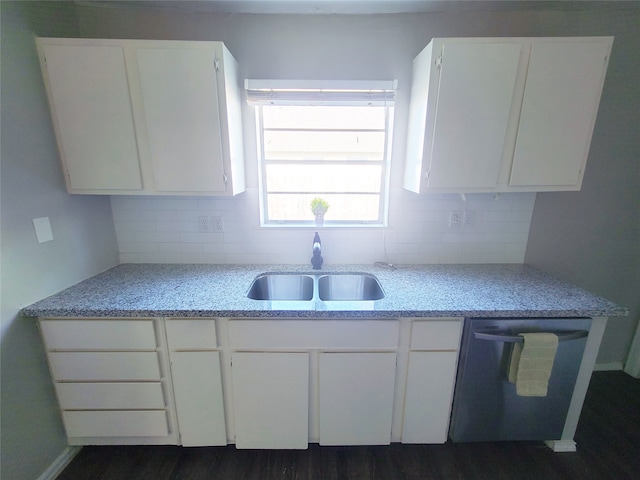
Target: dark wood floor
608	439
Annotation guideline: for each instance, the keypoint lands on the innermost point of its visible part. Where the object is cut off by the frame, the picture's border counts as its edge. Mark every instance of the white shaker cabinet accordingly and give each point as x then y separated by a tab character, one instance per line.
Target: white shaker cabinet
145	116
503	114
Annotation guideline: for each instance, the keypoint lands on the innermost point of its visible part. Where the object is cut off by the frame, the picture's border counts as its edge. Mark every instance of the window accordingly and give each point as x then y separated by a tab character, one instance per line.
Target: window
331	142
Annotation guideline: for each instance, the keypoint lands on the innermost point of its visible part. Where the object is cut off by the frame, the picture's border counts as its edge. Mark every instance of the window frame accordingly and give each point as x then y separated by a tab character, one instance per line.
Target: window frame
308	97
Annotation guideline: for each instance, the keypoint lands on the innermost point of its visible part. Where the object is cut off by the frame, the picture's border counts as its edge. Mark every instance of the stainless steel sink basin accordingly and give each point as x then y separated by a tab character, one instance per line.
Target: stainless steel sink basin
275	286
349	287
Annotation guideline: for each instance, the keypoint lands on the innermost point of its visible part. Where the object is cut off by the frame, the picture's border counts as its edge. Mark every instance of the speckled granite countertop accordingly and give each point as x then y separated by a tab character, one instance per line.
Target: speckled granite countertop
173	290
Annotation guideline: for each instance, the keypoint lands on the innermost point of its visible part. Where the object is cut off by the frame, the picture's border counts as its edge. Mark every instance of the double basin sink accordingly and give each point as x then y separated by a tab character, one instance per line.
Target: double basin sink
325	287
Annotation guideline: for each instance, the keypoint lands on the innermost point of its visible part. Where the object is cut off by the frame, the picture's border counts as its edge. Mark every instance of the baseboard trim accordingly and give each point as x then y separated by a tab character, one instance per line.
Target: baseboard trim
561	445
60	463
606	367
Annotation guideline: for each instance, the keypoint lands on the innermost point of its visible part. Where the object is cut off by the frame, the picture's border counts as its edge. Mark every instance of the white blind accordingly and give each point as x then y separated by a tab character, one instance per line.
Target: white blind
309	92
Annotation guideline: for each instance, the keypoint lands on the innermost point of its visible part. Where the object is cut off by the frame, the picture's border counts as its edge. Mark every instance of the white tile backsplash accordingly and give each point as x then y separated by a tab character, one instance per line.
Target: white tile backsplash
165	230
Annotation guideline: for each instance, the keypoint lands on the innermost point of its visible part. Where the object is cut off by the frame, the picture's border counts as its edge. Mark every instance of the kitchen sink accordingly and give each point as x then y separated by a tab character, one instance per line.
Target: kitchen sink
349	287
274	286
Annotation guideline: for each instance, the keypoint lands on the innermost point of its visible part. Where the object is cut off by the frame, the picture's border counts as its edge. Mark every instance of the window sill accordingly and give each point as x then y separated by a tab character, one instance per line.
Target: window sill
326	225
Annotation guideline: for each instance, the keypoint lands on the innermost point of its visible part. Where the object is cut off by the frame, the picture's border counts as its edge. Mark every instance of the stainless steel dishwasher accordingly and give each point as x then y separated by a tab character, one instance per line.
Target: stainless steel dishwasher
486	406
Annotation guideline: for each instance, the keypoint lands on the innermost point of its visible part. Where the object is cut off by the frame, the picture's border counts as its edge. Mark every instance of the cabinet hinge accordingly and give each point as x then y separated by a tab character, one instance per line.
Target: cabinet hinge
216	64
225	179
439	61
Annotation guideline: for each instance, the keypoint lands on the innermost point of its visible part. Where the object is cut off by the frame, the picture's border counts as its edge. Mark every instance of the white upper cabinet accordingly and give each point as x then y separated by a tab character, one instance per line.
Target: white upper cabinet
559	107
145	116
180	124
503	114
90	102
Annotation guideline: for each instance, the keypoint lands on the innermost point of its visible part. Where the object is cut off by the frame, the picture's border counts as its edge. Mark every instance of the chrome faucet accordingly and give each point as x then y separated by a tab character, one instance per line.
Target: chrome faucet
316	260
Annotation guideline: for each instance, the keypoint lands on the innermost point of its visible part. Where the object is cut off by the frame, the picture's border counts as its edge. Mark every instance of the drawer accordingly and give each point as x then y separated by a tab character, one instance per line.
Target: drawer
191	334
305	334
103	366
99	334
122	423
110	396
436	334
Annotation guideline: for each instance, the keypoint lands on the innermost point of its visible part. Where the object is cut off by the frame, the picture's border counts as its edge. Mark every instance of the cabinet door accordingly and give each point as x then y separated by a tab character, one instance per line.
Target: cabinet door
561	98
473	108
271	399
429	396
180	95
356	398
197	387
91	107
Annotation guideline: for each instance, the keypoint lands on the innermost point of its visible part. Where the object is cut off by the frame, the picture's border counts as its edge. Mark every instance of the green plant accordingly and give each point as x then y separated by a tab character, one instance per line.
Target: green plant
319	206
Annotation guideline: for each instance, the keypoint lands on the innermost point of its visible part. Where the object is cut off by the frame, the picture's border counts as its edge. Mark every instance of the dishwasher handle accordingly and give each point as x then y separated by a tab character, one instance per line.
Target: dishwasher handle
509	338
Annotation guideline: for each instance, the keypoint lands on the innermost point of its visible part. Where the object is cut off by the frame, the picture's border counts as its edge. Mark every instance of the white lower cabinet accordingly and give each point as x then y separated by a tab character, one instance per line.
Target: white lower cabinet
197	387
329	381
118	423
110	395
197	381
431	374
261	383
271	399
111	379
430	381
356	398
105	366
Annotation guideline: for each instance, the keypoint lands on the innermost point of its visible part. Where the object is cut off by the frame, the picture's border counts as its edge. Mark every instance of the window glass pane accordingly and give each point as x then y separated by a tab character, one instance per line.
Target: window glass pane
323	178
319	117
315	145
356	208
334	152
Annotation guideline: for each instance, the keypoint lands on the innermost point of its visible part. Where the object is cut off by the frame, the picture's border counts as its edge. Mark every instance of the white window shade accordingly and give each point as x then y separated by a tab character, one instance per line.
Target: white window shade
310	92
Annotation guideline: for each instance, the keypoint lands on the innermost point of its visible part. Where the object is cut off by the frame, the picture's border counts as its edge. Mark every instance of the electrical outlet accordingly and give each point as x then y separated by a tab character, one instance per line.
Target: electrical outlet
455	219
469	218
203	223
217	224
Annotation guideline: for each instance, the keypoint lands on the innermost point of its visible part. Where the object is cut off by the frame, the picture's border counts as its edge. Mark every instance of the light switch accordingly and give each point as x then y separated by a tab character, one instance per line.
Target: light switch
43	229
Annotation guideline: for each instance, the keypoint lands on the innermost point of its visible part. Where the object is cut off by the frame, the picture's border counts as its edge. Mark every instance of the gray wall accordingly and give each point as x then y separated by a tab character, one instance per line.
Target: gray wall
588	237
84	239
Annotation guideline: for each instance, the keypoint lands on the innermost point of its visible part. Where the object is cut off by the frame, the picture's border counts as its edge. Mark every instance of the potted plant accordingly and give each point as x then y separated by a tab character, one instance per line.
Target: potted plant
319	207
